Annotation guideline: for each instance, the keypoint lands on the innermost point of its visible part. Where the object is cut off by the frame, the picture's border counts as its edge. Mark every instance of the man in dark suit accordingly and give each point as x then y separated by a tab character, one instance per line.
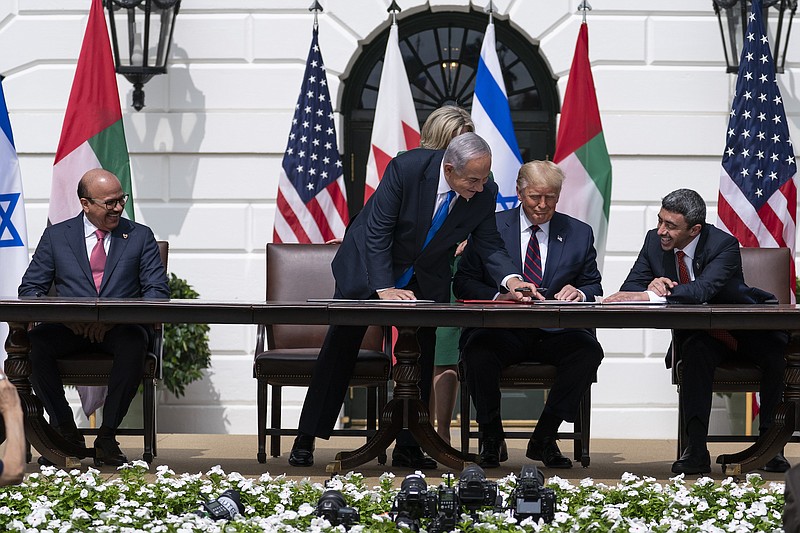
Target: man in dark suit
97	253
386	254
566	270
684	260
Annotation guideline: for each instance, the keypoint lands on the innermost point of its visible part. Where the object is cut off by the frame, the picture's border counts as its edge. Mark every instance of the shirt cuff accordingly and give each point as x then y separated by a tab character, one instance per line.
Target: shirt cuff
653	297
505	279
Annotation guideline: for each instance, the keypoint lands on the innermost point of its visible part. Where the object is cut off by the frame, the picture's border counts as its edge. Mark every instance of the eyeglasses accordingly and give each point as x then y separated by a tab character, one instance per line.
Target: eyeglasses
110	204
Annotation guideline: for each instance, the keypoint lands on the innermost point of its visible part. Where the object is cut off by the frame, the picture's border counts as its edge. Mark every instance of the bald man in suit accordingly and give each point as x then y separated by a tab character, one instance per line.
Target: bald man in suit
67	258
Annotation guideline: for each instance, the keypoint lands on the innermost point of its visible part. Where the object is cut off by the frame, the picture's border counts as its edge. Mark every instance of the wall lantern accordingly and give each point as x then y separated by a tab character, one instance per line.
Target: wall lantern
144	29
732	16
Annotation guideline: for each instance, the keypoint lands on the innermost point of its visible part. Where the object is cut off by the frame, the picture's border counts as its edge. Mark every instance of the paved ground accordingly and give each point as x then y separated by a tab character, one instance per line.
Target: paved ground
610	459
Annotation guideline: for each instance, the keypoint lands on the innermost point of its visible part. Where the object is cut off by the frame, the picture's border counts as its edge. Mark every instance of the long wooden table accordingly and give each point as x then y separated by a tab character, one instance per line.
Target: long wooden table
405	410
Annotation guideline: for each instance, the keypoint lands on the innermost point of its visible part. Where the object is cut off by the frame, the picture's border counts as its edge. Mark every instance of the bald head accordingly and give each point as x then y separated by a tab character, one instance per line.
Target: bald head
98	189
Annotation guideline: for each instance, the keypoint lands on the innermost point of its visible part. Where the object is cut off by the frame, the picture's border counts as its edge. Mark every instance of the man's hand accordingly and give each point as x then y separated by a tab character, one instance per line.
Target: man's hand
526	296
661	286
96	331
569	293
626	297
396	294
78	328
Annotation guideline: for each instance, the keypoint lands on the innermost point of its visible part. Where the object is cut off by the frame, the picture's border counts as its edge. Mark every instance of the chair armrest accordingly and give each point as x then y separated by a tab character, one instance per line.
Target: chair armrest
674	357
261	339
158	349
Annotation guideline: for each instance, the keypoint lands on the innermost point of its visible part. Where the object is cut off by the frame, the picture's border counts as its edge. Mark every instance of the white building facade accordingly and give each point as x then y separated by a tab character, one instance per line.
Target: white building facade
207	148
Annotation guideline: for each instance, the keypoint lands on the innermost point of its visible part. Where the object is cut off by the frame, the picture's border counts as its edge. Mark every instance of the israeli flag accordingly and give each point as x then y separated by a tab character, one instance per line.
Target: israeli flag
492	119
13	230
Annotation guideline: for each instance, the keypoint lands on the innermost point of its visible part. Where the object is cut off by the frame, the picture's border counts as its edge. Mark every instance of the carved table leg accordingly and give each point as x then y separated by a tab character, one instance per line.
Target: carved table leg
37	430
784	423
405	410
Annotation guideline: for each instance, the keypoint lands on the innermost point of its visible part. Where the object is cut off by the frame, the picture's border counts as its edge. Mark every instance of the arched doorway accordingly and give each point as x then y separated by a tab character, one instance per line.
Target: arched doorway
441	52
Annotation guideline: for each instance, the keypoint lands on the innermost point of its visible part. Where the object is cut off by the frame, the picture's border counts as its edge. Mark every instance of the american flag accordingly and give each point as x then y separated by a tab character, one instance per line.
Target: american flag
312	201
757	190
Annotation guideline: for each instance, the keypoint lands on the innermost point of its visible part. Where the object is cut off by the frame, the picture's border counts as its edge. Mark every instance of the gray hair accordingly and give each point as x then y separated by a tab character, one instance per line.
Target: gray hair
688	203
464	148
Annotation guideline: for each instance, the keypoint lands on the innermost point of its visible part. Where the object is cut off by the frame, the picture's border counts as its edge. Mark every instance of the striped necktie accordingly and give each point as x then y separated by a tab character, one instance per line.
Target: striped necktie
532	269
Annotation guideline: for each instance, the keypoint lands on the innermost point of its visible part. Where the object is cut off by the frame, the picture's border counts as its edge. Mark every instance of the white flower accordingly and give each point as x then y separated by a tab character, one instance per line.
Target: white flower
561	518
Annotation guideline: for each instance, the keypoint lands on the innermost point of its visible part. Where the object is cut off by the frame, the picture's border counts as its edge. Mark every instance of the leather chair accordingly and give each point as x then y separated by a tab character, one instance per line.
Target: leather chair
285	355
767	269
531	375
94	369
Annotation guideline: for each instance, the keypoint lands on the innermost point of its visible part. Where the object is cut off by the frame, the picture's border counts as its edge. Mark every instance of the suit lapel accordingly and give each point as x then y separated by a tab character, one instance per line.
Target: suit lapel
510	233
119	241
555	247
77	243
427	201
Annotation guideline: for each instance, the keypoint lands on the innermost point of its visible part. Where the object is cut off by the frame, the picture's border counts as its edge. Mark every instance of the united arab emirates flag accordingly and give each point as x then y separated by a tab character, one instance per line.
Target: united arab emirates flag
92	135
581	149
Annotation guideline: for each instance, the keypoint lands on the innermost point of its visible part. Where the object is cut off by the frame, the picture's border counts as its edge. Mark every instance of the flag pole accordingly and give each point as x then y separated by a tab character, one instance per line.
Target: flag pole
316	8
490	10
583	8
394	9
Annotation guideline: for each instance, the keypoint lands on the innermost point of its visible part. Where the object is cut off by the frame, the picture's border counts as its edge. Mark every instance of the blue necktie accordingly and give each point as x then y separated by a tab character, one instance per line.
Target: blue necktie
436	223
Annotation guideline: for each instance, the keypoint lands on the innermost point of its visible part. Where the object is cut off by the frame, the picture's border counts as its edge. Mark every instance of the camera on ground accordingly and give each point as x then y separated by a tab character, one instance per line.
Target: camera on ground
333	507
225	507
531	499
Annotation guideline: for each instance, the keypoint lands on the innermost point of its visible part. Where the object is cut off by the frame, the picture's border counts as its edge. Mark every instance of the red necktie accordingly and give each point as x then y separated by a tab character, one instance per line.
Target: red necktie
532	269
97	260
720	334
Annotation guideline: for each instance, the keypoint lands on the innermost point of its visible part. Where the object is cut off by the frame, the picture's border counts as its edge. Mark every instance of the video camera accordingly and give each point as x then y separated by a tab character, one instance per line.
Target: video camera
225	507
530	498
333	507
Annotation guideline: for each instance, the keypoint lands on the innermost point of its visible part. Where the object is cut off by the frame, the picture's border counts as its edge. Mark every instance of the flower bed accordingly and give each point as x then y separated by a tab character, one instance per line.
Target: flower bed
56	500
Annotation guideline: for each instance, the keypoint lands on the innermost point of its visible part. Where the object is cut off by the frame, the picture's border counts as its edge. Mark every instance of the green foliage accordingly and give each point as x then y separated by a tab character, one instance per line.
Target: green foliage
186	352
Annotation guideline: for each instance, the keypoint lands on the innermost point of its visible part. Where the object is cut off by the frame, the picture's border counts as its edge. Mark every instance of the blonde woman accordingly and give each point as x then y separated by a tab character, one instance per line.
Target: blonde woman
442	125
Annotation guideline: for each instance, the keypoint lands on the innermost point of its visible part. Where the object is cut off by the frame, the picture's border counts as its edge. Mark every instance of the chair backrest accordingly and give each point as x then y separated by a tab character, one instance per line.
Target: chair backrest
768	269
295	273
163	251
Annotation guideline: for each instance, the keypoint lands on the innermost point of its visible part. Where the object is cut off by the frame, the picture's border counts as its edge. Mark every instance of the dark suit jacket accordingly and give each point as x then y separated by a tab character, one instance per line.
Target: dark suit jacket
387	235
717	270
571	259
133	268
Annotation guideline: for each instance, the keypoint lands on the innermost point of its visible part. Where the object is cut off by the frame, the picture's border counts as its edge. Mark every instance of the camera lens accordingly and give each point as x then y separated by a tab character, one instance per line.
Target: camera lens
530	471
472	472
329	503
414	483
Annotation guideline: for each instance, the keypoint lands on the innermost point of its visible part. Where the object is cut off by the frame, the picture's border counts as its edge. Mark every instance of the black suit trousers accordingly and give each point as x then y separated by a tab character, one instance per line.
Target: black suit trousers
127	342
331	377
486	351
701	353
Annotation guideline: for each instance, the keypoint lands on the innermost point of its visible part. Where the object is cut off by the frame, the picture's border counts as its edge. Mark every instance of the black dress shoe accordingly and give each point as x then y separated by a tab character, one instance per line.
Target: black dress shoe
412	457
107	452
489	456
777	464
503	451
302	453
546	451
695	460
